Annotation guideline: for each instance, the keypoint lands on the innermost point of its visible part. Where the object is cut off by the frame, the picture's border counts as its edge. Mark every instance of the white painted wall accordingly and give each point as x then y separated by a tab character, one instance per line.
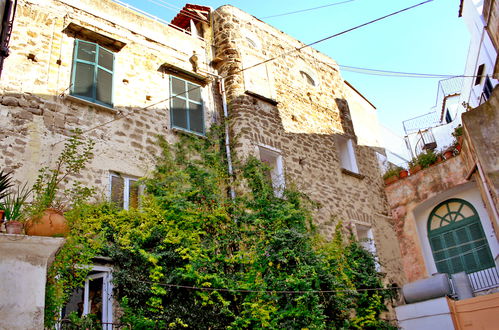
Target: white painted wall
429	314
470	193
481	50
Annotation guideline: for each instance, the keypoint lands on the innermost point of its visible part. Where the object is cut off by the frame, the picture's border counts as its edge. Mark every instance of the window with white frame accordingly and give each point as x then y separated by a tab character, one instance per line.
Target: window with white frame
95	297
124	191
346	151
186	106
366	240
273	159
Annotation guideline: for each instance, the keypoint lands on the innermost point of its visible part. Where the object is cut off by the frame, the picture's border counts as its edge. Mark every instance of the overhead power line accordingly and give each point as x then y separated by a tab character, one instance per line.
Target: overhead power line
260	63
307	9
188	287
394	73
336	35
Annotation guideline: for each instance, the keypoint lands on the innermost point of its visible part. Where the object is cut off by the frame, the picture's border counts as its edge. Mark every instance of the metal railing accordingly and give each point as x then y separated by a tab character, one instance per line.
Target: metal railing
484	279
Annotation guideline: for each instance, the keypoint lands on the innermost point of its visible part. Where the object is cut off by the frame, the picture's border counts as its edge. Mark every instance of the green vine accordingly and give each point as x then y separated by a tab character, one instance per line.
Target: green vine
258	258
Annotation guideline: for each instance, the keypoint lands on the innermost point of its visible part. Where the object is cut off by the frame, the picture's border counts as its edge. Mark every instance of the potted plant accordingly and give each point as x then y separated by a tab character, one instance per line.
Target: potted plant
5	184
427	158
403	173
14	207
448	152
48	205
392	174
458	134
414	166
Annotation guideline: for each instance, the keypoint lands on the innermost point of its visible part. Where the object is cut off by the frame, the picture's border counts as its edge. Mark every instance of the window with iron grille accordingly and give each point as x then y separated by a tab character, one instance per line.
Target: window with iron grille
92	77
457	239
186	106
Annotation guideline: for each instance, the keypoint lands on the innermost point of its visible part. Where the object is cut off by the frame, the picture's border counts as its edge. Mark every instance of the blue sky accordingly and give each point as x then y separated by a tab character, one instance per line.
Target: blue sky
428	39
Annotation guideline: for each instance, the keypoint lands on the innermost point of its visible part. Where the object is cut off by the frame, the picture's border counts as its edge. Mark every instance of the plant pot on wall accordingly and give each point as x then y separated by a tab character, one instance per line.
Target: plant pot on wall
403	174
391	179
14	227
50	223
448	153
415	169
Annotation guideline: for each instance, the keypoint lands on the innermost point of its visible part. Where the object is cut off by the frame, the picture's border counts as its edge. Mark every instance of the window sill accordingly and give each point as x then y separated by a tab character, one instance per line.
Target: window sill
178	130
90	103
262	98
355	175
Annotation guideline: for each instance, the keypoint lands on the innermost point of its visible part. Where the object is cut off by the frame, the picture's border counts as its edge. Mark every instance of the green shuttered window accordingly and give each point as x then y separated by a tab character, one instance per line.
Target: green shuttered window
92	77
457	238
186	106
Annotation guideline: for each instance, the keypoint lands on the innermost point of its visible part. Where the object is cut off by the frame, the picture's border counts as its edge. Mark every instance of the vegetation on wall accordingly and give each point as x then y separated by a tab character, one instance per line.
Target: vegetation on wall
191	257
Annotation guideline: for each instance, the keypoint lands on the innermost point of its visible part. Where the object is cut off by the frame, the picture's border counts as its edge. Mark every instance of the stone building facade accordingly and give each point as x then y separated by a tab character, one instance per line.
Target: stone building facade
40	107
117	75
293	113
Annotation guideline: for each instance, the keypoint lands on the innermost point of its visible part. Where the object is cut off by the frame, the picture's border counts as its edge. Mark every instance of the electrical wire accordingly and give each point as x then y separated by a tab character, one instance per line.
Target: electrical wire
308	9
335	35
175	9
178	286
260	63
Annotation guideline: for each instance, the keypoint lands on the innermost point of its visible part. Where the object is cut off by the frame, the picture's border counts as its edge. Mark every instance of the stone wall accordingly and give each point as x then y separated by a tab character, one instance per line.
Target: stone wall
405	195
37	114
272	105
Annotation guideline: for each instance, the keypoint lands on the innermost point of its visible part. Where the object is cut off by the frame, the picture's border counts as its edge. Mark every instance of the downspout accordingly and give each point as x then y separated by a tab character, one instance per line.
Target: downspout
227	138
7	24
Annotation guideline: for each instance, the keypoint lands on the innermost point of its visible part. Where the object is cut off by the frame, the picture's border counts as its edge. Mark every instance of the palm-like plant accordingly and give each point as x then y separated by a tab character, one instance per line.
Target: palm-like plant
5	183
14	202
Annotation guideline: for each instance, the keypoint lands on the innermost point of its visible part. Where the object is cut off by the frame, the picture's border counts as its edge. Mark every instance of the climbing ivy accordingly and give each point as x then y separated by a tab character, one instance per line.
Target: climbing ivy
191	257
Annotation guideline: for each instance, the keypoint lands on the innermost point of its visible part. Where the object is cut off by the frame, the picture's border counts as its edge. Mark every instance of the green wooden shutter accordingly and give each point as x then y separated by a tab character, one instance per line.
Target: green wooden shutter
457	238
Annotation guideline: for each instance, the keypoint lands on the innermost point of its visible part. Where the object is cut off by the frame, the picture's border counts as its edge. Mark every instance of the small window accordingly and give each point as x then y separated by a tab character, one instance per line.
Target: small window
95	297
479	74
276	172
307	78
125	191
186	105
448	117
366	240
92	77
346	151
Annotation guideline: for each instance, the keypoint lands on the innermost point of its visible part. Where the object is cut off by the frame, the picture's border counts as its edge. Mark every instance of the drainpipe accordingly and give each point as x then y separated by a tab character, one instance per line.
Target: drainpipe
227	138
7	24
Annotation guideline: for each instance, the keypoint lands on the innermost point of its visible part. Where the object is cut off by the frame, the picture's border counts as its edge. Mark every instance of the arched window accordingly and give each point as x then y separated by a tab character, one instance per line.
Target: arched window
307	78
457	239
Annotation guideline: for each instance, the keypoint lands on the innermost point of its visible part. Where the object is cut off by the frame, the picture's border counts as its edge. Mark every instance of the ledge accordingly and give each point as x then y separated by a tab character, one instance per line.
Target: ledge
83	33
184	74
355	175
186	132
76	99
262	98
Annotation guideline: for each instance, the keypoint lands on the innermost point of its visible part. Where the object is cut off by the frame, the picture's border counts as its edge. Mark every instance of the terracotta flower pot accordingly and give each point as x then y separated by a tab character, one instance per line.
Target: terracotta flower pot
14	227
50	223
415	169
458	147
403	174
448	154
391	179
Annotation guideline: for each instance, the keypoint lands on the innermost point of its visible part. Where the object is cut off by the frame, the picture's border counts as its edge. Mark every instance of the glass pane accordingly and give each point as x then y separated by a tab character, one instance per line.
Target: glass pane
466	211
178	87
449	239
86	51
470	261
454	206
84	80
179	113
133	194
442	211
117	190
456	265
104	87
95	297
196	117
75	304
442	267
194	92
106	59
475	231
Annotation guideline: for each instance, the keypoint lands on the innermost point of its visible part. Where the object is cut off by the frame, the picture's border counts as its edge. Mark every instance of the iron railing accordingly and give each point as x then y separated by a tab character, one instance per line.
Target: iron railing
484	279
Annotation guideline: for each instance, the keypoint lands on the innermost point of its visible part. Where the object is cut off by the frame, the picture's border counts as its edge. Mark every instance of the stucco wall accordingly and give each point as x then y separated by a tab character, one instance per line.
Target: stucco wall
304	125
36	113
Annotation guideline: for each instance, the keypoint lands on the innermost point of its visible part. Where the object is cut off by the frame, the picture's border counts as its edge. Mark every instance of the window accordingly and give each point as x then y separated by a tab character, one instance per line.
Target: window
307	78
92	77
276	172
366	240
457	239
125	191
95	297
186	105
448	117
347	155
479	73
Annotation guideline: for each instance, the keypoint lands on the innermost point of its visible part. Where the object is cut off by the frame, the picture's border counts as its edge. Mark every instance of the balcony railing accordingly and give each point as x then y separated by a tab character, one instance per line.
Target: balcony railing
484	279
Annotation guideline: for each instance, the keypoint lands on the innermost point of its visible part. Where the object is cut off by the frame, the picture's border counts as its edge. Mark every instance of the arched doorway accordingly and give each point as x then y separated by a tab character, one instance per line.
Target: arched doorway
457	239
